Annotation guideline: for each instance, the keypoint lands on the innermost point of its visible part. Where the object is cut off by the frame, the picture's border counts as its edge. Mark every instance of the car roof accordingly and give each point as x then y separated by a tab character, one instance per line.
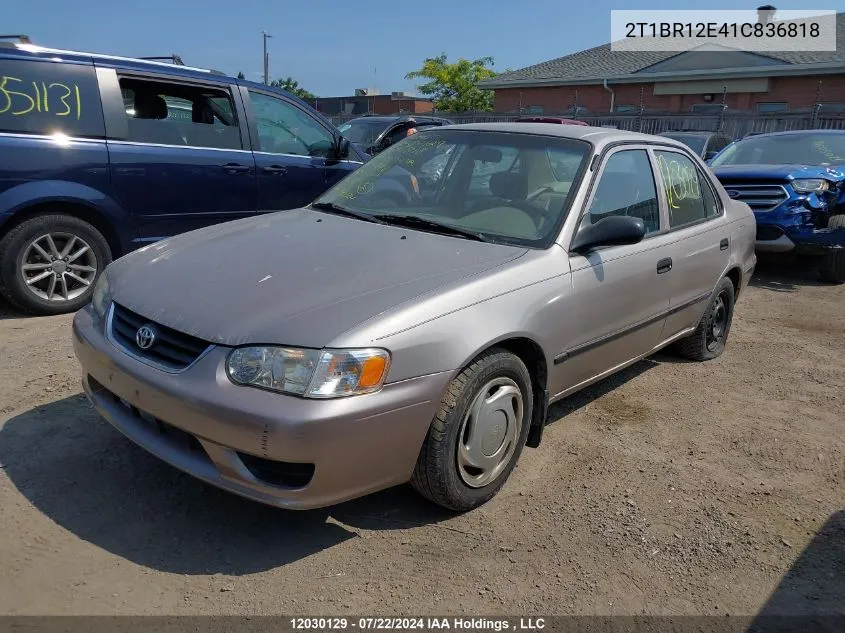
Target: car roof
691	133
592	134
793	132
389	118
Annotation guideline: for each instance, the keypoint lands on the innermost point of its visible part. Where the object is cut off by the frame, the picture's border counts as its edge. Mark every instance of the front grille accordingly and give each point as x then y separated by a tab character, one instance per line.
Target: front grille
760	197
767	233
172	350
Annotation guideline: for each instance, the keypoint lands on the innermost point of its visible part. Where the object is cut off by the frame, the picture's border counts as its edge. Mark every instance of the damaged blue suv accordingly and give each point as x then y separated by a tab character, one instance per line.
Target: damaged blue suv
794	183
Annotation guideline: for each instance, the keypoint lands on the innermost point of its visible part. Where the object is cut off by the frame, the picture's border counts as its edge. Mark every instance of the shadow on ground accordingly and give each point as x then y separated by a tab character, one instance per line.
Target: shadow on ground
786	273
581	399
8	311
89	479
811	595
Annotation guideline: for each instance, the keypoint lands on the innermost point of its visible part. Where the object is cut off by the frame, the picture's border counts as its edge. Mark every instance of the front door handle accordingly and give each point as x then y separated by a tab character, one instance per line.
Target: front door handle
235	168
278	170
723	245
664	265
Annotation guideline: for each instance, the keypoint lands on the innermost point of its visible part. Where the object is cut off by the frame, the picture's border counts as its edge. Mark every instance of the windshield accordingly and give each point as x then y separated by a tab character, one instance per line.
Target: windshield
363	131
796	149
694	141
505	187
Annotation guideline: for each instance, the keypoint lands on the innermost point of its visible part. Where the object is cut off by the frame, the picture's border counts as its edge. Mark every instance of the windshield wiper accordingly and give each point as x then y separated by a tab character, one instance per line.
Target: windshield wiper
416	222
337	209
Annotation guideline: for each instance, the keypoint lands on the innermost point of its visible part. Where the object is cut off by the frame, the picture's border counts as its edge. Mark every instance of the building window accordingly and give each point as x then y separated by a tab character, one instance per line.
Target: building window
766	108
832	107
707	108
625	109
535	109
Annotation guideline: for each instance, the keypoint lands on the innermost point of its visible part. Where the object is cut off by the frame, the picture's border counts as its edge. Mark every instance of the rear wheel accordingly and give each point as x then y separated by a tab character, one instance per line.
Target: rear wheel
832	267
49	263
709	339
478	433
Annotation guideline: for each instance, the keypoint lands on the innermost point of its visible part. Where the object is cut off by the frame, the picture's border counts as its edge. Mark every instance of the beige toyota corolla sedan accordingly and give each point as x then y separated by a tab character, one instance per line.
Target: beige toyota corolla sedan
415	322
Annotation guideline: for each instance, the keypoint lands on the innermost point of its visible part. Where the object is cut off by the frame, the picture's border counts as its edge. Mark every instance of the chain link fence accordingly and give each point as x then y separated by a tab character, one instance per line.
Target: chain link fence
735	125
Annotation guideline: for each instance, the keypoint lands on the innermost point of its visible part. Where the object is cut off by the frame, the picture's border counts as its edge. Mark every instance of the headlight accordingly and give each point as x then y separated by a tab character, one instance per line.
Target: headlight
101	297
309	372
810	185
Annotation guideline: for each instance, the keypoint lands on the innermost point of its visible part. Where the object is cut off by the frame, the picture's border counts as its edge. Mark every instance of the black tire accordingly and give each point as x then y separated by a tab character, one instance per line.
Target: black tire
14	246
832	268
437	475
709	339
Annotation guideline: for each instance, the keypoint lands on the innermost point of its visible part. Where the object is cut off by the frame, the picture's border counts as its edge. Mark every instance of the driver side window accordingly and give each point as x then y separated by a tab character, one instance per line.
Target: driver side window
285	129
626	187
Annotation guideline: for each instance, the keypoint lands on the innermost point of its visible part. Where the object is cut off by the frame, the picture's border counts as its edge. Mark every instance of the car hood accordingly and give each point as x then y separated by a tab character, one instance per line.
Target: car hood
734	173
296	277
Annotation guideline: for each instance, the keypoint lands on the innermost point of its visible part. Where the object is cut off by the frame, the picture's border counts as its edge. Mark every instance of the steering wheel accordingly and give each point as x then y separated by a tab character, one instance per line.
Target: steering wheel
537	213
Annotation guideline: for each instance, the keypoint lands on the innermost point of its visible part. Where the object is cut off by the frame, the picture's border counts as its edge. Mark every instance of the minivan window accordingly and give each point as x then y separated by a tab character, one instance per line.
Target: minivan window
285	129
178	114
43	97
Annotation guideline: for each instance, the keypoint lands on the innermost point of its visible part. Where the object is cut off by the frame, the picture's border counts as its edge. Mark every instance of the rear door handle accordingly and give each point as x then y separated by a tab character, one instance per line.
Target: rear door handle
235	168
278	170
664	265
723	245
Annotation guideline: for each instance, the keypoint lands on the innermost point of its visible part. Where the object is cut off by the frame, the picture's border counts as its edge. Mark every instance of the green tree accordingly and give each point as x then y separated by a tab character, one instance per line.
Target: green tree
241	76
292	86
454	86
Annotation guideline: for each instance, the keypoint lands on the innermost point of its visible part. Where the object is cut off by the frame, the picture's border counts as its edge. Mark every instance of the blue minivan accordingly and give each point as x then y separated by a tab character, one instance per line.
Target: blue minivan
100	155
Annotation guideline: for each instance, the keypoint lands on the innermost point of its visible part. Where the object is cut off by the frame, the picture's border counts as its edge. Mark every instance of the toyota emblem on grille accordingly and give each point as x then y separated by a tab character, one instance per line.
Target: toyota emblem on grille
146	336
733	193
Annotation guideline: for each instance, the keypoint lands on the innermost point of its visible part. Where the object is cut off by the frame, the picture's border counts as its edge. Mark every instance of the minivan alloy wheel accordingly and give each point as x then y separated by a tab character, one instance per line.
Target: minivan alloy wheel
489	432
58	266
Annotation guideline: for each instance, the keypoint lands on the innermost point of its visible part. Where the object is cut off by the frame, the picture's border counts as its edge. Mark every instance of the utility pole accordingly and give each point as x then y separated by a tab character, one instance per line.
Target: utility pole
265	35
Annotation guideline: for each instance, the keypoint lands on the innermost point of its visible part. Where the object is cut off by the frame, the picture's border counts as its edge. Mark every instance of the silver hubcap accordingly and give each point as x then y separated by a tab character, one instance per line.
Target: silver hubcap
489	432
58	266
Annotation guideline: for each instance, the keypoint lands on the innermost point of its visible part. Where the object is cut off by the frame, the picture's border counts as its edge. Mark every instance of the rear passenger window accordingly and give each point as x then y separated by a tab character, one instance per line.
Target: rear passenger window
685	196
626	187
40	97
177	114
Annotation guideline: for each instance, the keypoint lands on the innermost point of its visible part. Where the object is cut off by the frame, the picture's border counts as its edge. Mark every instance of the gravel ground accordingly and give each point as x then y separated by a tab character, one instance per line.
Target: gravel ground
672	488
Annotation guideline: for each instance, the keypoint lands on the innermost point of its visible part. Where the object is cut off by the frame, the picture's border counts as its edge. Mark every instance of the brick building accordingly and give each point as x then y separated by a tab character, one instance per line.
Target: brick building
600	81
363	103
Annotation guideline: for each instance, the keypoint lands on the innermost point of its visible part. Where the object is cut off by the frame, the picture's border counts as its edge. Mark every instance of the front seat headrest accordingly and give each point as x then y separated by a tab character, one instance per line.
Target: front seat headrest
150	106
509	185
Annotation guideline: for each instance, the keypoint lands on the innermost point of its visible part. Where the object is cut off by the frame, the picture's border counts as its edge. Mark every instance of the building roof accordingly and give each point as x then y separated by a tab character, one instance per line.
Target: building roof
594	65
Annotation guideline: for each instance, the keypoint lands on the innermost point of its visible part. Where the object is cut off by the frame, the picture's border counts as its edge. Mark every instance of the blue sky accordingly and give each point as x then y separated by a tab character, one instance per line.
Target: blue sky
333	47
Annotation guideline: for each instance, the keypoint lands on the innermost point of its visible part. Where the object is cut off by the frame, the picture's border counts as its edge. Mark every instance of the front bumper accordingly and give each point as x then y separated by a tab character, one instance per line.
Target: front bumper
353	446
806	240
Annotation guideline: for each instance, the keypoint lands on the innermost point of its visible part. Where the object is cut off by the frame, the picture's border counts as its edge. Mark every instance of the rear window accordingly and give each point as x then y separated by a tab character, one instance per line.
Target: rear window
41	97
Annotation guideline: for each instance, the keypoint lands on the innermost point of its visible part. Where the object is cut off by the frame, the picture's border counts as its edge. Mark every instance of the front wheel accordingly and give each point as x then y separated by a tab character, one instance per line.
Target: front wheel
709	338
49	263
478	433
832	267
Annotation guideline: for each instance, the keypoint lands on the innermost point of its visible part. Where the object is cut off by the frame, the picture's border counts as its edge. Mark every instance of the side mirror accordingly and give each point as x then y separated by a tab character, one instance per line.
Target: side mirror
710	154
614	230
341	148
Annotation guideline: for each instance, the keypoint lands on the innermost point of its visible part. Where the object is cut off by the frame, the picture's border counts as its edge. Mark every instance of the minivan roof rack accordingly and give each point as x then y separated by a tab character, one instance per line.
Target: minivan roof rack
23	39
28	46
174	58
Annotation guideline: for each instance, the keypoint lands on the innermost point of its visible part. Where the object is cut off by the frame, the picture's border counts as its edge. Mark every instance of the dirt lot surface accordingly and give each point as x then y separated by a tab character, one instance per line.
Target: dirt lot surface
673	488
